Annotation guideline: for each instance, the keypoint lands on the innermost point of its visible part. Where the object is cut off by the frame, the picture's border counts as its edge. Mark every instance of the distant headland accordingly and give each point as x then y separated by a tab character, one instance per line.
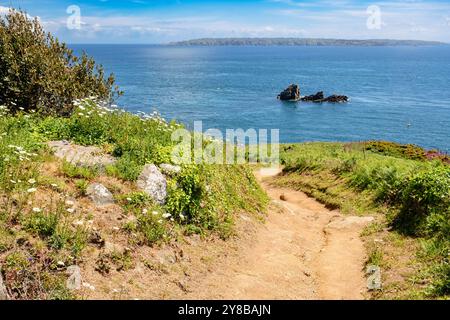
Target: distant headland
302	42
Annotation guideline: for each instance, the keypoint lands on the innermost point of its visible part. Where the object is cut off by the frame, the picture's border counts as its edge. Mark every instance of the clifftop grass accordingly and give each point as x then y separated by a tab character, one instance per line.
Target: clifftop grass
46	220
411	193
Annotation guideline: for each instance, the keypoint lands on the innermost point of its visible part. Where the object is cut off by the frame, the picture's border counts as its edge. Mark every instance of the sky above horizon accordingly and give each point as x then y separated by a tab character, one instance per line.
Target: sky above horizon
159	21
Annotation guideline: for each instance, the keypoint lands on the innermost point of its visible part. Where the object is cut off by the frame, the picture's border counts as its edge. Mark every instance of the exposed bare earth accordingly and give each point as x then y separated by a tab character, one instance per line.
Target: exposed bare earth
302	251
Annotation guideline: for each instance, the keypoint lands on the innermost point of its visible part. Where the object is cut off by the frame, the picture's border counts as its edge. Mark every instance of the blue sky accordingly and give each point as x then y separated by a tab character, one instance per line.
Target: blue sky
158	21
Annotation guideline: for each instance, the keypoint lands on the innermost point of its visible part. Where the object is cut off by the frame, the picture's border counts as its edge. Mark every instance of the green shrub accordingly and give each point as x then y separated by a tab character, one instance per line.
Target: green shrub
185	195
407	151
346	165
153	227
425	201
51	226
65	237
82	172
42	223
126	169
53	128
37	72
302	164
82	185
177	201
135	200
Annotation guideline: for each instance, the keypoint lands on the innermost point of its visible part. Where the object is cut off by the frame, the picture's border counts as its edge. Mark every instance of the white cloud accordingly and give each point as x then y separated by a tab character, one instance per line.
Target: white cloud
400	19
4	10
407	19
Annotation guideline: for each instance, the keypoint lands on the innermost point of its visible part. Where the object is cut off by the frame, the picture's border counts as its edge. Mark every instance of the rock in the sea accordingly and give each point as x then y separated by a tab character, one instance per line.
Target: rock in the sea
79	155
170	169
99	194
318	97
337	99
291	93
3	292
154	183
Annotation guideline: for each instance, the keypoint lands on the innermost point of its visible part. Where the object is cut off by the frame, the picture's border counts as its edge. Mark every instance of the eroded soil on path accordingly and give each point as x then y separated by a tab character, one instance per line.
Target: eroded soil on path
301	251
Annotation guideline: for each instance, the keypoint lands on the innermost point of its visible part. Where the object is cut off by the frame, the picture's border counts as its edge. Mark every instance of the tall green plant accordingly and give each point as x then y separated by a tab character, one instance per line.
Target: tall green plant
37	72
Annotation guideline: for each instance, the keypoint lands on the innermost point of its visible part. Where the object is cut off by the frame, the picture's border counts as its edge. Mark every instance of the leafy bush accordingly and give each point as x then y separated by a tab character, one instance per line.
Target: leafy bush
303	164
152	227
186	194
125	168
426	201
37	72
135	200
405	151
43	223
408	151
73	171
415	194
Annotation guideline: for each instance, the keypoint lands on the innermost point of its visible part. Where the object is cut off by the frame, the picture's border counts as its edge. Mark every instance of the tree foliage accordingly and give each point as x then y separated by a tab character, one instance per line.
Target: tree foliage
37	72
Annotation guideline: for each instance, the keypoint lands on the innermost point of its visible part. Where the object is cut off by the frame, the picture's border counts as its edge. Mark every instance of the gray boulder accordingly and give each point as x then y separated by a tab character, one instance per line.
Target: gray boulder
90	156
99	194
74	280
3	291
154	183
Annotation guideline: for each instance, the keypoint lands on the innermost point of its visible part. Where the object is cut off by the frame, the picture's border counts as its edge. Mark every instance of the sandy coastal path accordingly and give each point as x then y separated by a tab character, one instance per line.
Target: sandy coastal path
303	251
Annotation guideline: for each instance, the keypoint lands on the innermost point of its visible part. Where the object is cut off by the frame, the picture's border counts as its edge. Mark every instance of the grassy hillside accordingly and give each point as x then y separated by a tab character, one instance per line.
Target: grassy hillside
47	222
407	190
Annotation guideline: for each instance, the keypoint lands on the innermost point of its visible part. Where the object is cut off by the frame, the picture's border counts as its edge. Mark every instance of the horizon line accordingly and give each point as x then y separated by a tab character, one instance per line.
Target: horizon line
255	38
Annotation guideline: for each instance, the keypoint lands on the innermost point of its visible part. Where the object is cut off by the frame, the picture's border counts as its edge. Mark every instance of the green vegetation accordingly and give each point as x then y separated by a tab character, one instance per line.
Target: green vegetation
412	194
34	204
46	221
407	151
37	72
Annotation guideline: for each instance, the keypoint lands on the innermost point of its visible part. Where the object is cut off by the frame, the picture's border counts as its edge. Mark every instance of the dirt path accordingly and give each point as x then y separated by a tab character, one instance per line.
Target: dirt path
303	251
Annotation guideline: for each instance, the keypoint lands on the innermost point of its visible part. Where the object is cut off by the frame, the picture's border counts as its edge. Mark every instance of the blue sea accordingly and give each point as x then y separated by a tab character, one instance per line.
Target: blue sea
399	94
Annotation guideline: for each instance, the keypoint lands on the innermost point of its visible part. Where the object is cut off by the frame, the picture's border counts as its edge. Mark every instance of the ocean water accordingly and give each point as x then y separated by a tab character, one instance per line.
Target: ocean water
399	94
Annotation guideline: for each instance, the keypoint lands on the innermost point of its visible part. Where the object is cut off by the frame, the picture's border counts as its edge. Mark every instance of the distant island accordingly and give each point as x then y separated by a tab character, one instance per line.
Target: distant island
301	42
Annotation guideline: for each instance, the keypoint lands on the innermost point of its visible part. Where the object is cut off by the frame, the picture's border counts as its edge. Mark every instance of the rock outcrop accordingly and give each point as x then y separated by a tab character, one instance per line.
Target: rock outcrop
336	99
291	93
154	183
319	97
99	194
